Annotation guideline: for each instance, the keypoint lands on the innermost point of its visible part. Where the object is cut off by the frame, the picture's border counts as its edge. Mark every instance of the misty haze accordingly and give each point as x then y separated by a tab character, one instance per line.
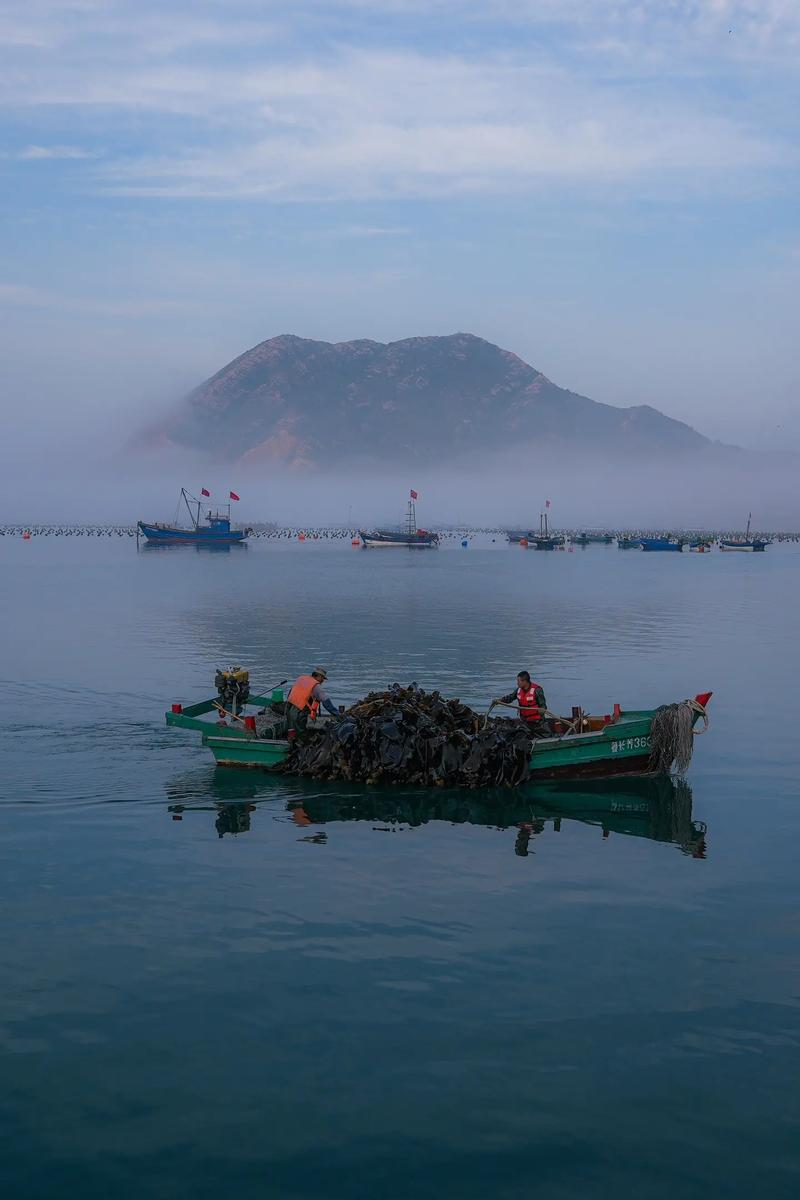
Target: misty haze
400	558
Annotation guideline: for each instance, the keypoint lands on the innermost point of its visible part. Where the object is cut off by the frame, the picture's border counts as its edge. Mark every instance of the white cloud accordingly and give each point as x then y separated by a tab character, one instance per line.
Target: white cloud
228	100
36	153
14	295
375	124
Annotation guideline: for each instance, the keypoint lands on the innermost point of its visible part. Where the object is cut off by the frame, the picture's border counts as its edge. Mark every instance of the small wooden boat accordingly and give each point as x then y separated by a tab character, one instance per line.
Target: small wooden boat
747	544
410	537
582	746
215	532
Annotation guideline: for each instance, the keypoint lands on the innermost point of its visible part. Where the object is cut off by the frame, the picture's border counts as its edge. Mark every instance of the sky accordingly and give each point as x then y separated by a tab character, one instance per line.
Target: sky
609	188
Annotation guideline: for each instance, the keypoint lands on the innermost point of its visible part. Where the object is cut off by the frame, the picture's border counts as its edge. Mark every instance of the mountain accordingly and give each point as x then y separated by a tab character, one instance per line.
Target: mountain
319	404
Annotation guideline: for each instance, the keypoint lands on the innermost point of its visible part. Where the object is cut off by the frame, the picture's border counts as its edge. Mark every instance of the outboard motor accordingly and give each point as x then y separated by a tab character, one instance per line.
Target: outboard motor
233	687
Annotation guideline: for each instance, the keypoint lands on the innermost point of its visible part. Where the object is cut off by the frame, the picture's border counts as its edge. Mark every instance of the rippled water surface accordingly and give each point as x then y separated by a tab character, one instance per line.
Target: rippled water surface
217	983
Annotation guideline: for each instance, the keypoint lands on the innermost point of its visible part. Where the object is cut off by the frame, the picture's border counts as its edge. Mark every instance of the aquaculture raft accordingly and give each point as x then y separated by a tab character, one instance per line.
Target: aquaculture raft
582	746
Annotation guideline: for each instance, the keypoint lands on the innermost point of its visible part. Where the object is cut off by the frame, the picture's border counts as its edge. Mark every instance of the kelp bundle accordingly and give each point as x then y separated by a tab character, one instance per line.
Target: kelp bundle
407	735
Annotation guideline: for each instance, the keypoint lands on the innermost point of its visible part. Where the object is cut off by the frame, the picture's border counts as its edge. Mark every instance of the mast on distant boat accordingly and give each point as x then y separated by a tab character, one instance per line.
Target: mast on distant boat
411	515
194	517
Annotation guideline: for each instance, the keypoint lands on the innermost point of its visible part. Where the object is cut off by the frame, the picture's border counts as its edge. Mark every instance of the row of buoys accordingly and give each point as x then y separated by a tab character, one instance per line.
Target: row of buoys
288	533
26	532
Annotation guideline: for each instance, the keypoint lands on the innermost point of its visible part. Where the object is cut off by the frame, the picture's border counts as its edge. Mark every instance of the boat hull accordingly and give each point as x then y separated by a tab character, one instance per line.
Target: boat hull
407	541
661	545
743	547
165	535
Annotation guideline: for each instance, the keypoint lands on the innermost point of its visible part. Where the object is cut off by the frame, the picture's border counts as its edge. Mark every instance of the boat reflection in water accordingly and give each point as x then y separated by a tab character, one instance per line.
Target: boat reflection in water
145	547
659	809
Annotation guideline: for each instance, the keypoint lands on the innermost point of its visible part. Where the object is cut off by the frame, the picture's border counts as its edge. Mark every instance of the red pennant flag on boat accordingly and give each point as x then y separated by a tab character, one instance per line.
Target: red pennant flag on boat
205	492
414	495
547	503
233	495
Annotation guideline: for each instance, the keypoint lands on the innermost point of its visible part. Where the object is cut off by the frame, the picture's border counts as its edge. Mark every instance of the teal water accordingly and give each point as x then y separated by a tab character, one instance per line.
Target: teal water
216	983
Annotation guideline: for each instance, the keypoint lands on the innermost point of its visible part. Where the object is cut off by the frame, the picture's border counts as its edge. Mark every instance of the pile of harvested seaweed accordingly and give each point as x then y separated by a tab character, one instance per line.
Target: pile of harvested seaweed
407	735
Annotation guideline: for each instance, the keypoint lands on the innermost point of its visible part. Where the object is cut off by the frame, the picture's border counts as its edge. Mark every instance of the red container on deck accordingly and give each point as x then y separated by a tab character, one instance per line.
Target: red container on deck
176	708
250	723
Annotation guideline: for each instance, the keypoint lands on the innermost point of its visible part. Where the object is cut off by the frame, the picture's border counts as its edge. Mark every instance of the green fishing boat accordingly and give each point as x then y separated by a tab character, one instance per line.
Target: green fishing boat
582	746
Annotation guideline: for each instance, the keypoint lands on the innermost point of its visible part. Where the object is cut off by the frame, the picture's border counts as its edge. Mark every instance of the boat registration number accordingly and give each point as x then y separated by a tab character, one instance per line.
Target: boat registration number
631	743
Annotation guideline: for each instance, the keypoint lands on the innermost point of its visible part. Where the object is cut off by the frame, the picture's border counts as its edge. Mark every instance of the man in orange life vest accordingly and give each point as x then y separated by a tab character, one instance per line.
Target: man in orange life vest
306	697
532	705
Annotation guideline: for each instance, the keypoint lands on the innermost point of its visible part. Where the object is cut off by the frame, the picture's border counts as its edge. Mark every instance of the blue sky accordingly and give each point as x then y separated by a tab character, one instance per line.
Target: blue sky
610	189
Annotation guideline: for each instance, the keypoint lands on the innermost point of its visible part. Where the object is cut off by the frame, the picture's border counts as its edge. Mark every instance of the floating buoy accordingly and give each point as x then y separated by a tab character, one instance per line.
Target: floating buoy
355	542
523	541
26	537
301	537
464	542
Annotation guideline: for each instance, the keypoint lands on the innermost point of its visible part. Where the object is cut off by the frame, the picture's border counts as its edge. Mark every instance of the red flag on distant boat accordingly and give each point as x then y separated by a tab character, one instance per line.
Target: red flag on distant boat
547	503
205	492
414	495
233	495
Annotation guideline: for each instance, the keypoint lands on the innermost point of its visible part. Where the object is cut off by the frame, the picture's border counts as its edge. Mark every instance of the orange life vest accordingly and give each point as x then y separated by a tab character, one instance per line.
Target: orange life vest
300	695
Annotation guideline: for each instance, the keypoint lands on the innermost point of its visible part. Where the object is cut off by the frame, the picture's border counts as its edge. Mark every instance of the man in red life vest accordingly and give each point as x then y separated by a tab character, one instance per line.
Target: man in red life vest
306	697
532	705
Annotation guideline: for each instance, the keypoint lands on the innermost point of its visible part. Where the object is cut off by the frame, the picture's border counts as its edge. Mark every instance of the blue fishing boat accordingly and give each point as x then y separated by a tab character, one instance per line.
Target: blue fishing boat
662	543
216	531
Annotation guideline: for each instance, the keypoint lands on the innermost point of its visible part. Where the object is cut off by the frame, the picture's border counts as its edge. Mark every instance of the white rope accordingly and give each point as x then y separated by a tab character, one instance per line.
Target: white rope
698	708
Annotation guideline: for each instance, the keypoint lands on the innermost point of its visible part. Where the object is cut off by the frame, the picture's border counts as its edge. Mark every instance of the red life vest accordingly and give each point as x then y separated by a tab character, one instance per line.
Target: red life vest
526	697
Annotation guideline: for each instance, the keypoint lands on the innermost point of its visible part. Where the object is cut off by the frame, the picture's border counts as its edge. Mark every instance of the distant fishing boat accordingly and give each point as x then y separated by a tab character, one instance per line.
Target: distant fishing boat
215	532
746	543
544	539
629	543
661	544
593	539
700	545
411	537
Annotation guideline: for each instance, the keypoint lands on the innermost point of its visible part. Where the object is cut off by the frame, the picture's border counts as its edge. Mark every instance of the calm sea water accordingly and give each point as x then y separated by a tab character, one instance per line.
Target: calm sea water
215	983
